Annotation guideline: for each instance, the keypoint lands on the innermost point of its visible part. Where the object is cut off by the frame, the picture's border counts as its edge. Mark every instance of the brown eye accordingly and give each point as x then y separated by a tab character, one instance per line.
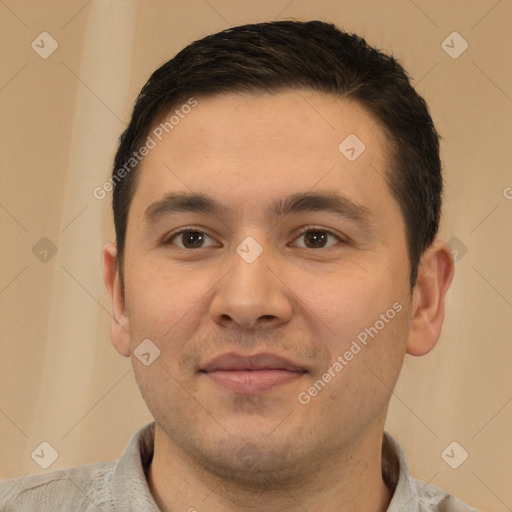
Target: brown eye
317	239
189	239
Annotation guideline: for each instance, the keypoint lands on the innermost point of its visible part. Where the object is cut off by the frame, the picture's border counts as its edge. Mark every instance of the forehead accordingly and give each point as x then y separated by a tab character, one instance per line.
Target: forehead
246	149
289	121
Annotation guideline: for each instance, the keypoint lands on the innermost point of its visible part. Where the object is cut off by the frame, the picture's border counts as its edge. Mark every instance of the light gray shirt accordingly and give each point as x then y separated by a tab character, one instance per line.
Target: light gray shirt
121	485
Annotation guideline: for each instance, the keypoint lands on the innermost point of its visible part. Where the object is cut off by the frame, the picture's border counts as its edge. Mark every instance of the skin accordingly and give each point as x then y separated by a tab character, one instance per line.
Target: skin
307	303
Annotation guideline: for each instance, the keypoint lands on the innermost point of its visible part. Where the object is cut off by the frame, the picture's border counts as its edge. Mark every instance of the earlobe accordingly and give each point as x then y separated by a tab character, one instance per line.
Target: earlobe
120	330
435	274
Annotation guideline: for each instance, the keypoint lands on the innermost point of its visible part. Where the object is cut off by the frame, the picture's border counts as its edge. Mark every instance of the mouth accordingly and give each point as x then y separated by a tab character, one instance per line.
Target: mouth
251	374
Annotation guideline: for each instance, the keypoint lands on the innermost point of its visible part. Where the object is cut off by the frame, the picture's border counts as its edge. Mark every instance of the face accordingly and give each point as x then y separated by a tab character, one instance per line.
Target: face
278	292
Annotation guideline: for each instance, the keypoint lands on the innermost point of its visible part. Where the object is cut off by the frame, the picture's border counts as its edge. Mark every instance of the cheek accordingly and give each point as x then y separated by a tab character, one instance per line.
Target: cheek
162	298
344	302
358	318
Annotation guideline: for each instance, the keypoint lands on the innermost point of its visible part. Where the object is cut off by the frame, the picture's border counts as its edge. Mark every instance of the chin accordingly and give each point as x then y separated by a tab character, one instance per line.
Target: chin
253	467
253	462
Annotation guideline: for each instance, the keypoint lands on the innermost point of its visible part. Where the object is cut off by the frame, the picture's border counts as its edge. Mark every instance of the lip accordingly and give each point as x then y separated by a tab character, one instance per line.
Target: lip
252	373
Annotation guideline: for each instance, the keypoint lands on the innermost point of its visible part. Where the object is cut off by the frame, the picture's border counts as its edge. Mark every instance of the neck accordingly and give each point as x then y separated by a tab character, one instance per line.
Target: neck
350	480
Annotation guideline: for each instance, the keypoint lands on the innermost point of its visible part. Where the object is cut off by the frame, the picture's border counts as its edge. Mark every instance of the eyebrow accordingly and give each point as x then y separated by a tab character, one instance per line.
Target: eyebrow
321	202
183	203
302	202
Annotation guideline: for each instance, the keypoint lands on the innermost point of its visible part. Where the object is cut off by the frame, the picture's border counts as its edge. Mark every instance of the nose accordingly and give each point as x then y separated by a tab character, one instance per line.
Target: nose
252	295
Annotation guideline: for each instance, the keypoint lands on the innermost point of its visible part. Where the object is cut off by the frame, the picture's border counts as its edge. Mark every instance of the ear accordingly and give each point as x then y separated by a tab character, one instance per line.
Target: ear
435	274
120	330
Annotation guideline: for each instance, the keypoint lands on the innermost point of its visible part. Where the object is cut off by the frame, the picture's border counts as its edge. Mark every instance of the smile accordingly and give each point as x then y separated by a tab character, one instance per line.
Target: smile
252	374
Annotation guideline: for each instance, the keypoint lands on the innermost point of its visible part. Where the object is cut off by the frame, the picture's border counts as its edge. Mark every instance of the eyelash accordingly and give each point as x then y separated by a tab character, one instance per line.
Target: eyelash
188	229
306	229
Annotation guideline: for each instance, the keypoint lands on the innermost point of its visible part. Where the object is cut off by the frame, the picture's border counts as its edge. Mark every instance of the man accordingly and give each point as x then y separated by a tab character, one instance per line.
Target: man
276	201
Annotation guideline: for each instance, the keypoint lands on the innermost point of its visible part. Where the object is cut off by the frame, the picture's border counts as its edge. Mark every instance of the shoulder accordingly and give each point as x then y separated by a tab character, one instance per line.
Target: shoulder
82	488
411	494
433	499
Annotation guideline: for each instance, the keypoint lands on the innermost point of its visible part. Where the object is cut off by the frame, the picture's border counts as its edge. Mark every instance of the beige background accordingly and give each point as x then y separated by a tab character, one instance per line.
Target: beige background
61	380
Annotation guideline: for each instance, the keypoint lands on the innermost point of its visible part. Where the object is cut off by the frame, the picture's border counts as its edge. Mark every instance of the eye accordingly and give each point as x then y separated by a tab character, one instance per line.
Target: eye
317	238
191	239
